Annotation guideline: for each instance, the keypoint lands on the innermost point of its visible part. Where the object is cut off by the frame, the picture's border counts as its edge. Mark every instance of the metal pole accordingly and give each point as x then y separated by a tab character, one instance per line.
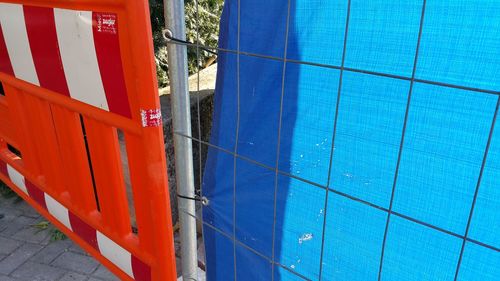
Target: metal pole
181	116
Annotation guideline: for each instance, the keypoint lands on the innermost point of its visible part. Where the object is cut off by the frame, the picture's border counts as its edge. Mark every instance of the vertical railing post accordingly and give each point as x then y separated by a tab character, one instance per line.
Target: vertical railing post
181	115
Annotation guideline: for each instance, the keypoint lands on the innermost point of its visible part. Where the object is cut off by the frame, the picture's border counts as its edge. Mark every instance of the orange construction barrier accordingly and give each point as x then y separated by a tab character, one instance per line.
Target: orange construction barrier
77	75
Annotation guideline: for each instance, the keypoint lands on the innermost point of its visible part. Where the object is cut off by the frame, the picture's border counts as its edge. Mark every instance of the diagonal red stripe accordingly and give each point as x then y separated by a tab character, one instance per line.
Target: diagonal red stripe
5	64
35	193
42	35
82	229
142	272
107	47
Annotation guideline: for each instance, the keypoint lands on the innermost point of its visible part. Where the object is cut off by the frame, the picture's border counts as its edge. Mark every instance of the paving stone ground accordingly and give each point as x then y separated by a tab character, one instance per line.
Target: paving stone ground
28	254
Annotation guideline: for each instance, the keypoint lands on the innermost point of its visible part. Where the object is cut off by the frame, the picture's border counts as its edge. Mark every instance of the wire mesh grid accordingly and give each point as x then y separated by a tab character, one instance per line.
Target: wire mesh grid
323	190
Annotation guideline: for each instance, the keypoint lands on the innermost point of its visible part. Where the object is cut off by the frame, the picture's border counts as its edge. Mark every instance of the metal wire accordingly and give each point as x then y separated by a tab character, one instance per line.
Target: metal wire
350	69
412	82
280	123
170	39
469	220
337	105
236	138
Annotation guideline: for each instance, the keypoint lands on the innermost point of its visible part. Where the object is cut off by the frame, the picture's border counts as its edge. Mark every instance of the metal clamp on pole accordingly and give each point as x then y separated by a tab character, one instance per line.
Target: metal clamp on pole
181	115
202	199
169	38
167	35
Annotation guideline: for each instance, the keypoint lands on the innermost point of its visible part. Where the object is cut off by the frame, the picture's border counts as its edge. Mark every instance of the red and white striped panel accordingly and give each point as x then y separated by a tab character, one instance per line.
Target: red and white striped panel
116	254
74	53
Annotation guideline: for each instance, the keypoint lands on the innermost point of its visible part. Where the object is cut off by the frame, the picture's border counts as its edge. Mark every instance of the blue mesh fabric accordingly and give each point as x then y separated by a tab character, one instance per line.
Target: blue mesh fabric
355	140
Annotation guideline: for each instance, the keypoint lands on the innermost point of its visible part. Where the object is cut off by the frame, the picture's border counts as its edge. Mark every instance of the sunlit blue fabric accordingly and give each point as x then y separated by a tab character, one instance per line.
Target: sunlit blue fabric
460	43
368	137
446	135
417	252
299	225
479	263
485	224
342	147
382	36
307	31
354	237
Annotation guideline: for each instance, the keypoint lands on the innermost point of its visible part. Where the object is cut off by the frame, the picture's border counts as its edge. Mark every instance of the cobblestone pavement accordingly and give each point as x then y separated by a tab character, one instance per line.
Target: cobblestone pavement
28	254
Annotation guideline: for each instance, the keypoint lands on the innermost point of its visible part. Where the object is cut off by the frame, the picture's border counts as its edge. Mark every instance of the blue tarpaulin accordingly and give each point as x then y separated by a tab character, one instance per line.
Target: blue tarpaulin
355	140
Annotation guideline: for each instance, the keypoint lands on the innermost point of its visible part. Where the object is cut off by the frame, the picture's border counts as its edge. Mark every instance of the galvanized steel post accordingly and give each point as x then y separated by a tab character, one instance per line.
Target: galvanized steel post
181	114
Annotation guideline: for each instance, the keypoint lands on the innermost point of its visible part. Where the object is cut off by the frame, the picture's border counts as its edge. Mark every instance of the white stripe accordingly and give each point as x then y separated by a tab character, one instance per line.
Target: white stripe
58	211
78	55
115	253
17	178
16	39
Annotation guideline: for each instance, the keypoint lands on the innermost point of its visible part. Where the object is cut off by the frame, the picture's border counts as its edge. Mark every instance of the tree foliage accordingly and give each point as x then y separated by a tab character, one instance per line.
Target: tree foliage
202	19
